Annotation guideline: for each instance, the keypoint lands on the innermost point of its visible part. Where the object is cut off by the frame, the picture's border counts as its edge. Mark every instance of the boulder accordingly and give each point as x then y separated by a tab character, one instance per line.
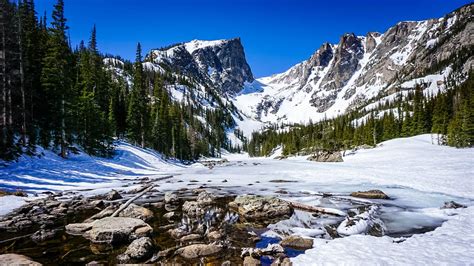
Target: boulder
15	259
192	208
259	208
111	230
43	235
198	250
139	249
297	242
135	211
171	198
113	195
204	198
326	157
370	194
214	235
190	238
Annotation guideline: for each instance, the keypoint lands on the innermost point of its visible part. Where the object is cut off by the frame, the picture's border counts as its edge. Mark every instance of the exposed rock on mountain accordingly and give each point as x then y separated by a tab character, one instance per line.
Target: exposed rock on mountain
220	64
360	70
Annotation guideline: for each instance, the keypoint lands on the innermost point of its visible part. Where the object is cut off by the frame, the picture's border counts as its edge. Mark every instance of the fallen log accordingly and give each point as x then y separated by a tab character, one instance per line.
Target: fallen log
130	201
304	207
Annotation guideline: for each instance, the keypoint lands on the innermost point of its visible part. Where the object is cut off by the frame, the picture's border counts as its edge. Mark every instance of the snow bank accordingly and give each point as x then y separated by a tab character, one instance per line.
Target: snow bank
449	244
83	172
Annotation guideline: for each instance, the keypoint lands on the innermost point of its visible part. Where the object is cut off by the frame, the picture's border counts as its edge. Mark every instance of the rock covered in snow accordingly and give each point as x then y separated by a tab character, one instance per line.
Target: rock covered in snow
363	223
452	205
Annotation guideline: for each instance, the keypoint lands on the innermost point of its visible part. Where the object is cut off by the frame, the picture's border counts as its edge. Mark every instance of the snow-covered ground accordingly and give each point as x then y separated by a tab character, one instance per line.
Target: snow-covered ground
417	175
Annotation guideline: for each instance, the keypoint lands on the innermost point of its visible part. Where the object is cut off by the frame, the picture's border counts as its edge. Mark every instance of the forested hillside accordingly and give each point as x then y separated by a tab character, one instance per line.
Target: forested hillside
448	116
64	98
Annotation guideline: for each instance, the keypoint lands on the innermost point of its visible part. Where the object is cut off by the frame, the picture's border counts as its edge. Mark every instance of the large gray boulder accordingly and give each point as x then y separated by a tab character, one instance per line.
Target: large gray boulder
326	157
111	230
261	208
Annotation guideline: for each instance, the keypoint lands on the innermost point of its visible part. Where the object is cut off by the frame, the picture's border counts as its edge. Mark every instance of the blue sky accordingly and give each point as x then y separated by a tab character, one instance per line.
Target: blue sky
276	34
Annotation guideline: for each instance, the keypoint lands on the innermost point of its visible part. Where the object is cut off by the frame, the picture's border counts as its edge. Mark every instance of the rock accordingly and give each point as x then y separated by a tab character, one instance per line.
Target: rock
177	233
111	230
452	205
171	198
43	235
15	259
104	213
365	223
214	235
198	250
297	242
370	194
169	215
204	198
251	261
139	249
258	208
97	203
326	157
271	249
192	208
190	238
135	211
163	254
281	262
113	195
78	229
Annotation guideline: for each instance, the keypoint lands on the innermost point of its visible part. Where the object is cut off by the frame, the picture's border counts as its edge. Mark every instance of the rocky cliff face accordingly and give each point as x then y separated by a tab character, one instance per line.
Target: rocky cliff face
359	69
219	64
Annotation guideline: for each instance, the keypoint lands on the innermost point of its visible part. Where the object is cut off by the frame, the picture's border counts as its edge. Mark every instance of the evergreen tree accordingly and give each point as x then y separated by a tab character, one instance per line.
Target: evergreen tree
137	119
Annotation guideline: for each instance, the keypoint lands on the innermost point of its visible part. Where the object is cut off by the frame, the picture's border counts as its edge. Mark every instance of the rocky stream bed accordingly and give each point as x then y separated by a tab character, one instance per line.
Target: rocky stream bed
204	225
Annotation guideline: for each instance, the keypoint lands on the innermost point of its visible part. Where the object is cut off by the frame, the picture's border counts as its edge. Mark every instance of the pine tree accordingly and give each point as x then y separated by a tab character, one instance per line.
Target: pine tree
137	119
56	79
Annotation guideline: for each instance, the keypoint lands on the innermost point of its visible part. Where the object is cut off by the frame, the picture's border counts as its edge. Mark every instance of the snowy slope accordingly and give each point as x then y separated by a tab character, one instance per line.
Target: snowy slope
83	172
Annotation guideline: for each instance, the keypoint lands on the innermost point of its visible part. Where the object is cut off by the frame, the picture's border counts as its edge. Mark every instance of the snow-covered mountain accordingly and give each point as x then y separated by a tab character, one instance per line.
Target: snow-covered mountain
359	72
219	64
360	69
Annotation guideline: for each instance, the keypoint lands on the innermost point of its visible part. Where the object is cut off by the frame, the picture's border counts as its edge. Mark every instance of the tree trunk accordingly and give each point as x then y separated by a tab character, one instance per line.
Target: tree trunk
63	129
22	83
4	81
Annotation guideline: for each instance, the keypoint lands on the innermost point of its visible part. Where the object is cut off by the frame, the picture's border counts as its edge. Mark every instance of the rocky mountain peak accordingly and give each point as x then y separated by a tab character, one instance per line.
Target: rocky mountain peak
220	64
322	56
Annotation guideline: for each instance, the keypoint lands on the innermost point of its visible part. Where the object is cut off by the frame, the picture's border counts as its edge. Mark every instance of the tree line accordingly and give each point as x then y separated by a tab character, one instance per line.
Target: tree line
65	99
448	116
